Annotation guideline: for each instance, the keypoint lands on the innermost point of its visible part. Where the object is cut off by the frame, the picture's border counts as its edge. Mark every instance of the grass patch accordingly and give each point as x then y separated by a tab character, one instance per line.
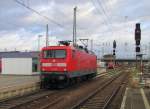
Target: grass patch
112	72
134	78
135	73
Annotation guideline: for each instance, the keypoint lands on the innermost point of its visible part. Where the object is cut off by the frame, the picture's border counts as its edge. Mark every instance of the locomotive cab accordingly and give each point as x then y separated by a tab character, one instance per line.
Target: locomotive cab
54	61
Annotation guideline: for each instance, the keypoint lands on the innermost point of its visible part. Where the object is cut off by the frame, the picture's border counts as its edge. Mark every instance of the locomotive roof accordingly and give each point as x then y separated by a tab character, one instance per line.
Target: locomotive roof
65	47
57	47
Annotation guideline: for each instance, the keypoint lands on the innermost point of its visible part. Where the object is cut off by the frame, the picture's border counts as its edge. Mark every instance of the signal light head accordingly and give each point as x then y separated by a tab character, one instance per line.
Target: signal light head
137	49
114	52
137	32
137	25
114	44
137	37
137	42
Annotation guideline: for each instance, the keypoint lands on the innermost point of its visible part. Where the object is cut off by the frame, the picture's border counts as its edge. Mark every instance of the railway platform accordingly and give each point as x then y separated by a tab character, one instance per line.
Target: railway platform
138	98
16	85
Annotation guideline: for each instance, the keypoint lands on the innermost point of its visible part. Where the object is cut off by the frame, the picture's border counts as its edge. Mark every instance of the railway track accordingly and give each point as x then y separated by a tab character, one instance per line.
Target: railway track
35	100
117	100
47	99
19	101
102	97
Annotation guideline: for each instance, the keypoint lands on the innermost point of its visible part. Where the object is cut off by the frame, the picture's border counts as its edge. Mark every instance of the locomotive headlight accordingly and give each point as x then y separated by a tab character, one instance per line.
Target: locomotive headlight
61	64
46	64
42	77
61	78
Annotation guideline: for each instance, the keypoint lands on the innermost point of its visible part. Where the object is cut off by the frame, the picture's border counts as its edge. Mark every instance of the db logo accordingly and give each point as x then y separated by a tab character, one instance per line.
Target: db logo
54	60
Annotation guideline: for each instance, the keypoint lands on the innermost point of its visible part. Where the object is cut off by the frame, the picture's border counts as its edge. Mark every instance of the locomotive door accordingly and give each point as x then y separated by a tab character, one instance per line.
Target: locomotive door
76	59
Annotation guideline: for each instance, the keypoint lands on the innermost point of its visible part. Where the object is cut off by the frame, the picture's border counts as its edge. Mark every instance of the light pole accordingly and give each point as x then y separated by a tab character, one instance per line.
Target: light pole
149	52
39	36
74	27
91	44
39	42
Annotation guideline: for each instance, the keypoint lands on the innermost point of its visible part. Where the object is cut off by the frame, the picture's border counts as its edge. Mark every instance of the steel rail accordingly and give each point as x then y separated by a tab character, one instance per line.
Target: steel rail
84	100
11	105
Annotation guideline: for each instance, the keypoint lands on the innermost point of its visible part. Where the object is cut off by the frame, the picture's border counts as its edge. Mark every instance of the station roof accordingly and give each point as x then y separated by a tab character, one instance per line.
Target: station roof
18	54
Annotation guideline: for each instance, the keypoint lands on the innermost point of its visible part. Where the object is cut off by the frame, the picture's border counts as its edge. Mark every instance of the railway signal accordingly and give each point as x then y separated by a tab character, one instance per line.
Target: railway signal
138	32
137	37
114	50
137	40
114	44
137	49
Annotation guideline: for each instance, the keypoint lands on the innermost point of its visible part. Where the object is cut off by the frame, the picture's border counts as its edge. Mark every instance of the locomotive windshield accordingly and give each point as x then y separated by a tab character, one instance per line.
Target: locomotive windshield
54	53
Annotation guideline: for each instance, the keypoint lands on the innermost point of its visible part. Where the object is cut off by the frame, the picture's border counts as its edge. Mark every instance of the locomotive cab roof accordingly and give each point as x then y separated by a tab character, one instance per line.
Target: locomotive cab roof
69	46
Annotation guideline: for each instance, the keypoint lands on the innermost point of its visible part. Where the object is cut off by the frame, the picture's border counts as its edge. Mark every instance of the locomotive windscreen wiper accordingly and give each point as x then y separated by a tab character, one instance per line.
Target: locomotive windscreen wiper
55	54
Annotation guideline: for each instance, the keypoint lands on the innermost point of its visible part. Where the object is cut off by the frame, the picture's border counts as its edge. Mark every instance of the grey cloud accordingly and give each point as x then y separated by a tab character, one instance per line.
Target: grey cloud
90	24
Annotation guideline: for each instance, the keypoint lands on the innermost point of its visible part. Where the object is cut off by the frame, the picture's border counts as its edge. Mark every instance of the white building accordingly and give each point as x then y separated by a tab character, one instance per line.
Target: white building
19	63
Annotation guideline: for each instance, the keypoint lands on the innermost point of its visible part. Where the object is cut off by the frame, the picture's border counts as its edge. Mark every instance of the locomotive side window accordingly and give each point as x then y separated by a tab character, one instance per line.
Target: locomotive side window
54	53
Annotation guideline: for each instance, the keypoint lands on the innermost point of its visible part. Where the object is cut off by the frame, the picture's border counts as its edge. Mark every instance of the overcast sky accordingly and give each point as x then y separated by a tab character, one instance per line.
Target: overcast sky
100	20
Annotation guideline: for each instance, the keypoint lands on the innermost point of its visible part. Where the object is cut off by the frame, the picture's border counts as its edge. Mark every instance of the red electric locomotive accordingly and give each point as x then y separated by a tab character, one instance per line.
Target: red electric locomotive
62	65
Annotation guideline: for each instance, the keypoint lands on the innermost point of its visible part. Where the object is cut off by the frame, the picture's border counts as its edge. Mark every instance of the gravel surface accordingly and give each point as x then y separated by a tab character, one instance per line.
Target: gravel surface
66	98
147	93
60	99
117	100
73	97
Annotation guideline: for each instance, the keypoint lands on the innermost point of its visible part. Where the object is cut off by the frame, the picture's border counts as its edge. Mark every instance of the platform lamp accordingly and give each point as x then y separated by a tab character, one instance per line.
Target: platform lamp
39	36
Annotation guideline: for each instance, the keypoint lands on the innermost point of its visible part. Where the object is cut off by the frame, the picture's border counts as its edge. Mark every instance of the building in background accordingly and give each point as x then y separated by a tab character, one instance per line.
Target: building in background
19	63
